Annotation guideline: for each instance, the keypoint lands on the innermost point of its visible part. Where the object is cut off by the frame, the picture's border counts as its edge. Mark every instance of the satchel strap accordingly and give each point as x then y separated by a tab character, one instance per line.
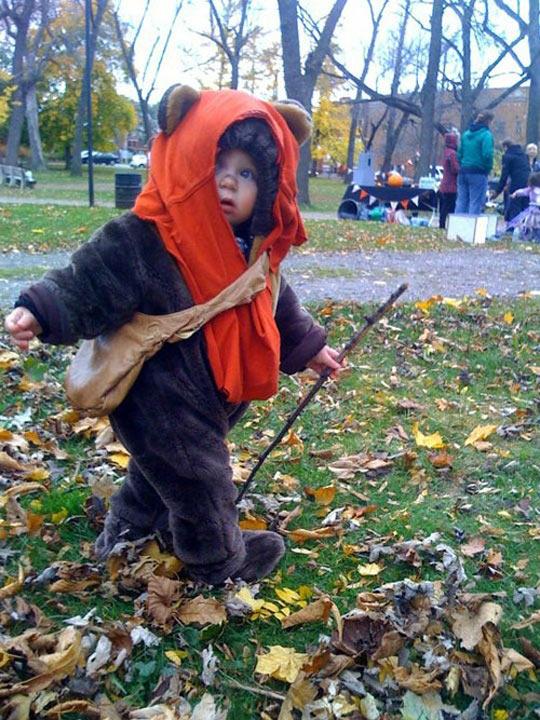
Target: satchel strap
182	324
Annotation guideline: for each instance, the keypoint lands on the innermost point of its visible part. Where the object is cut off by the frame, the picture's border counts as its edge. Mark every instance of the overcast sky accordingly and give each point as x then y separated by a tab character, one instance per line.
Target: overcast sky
188	51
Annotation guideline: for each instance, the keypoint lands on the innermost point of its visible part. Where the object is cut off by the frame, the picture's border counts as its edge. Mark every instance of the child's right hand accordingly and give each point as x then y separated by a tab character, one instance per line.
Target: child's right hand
22	326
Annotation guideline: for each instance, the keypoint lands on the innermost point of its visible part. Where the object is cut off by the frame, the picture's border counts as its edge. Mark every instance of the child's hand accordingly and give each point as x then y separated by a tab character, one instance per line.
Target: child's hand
22	326
326	358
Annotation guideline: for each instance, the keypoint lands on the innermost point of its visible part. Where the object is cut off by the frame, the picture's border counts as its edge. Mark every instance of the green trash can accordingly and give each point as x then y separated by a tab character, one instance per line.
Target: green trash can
127	185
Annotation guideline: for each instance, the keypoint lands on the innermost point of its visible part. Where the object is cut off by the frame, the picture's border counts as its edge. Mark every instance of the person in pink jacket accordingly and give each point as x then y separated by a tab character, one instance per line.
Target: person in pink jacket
448	186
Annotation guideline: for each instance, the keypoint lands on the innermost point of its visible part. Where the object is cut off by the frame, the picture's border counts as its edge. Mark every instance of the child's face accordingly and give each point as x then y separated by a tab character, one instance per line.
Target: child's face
236	180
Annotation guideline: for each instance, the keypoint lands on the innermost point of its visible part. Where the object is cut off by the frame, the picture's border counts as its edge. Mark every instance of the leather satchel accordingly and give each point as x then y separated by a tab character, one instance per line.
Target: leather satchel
105	368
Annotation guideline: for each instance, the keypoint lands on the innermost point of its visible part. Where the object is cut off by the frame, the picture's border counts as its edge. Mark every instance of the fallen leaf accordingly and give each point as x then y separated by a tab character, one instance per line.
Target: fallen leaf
441	459
467	625
475	546
201	611
433	441
480	432
302	535
163	596
323	495
253	523
282	663
370	569
314	612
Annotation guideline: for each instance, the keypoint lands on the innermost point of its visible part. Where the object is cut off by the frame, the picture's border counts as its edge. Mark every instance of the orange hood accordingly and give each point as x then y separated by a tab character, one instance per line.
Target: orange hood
181	199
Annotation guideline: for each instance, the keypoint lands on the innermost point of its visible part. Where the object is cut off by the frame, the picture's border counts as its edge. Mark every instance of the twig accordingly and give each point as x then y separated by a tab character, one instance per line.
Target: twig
353	342
256	690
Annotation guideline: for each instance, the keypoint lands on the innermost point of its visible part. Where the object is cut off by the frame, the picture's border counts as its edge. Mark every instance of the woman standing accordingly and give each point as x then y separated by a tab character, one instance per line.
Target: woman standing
448	186
532	154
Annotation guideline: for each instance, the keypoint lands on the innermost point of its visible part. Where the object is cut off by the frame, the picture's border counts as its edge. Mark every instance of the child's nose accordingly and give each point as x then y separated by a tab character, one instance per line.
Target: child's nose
227	179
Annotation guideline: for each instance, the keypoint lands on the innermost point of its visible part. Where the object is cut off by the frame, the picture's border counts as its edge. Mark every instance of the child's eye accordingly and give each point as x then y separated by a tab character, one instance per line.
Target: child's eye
247	174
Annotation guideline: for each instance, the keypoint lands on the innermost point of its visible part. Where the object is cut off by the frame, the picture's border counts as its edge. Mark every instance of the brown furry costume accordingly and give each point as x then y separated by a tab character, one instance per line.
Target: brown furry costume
173	421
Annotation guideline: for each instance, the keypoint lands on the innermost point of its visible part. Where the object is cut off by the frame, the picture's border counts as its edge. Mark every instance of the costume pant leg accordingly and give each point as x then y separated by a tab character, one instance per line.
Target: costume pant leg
136	511
174	424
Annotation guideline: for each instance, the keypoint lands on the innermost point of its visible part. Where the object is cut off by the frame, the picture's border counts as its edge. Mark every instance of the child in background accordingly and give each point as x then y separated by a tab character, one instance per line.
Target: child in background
222	191
526	225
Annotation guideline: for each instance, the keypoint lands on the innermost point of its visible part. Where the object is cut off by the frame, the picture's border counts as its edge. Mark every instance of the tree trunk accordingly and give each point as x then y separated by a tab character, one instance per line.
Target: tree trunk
76	162
16	122
300	86
38	159
533	110
429	91
467	101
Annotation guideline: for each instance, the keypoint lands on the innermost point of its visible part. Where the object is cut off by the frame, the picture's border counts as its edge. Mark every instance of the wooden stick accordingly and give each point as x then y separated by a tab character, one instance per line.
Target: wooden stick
353	342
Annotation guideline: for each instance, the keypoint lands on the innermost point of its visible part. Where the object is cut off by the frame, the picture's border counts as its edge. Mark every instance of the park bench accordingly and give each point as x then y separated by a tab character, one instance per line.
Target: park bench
14	176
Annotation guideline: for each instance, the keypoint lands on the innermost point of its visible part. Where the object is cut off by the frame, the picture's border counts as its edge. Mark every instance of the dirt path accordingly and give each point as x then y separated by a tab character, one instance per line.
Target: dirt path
359	276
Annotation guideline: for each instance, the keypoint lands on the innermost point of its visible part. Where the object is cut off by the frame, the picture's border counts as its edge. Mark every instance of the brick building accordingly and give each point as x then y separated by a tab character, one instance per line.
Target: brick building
509	121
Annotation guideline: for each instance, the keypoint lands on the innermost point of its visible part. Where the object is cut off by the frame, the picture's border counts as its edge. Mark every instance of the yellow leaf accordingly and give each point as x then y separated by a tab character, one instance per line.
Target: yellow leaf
281	663
425	305
452	302
253	523
59	516
291	597
535	369
38	474
433	441
246	597
13	586
169	565
500	715
5	658
176	656
120	459
323	495
8	359
480	432
370	569
508	318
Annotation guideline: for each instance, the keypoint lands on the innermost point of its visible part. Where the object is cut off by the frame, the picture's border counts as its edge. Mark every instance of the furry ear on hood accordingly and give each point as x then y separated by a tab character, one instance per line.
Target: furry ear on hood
178	99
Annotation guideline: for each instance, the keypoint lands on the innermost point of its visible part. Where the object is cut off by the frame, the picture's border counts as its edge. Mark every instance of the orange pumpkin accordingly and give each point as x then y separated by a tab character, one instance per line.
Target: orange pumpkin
394	180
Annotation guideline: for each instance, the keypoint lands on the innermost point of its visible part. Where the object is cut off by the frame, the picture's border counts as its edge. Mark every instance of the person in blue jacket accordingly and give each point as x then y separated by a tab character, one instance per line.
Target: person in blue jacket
475	156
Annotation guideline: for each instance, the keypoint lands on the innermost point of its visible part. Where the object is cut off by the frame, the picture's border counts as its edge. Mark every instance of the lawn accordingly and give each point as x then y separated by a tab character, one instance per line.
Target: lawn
57	184
409	490
42	228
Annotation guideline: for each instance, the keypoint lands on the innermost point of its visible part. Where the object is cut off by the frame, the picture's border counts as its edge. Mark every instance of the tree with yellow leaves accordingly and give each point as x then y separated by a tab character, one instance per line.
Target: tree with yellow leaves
331	123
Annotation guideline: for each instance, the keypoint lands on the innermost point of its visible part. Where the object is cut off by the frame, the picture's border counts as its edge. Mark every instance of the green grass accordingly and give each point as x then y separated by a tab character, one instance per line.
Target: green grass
41	228
57	184
325	194
467	366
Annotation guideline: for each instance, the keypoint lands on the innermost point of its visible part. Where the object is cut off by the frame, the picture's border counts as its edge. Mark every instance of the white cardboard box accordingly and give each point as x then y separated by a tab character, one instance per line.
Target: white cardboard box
472	229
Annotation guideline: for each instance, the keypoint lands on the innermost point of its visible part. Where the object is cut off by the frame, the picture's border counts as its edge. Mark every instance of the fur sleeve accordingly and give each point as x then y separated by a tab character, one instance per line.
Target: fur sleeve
97	292
301	337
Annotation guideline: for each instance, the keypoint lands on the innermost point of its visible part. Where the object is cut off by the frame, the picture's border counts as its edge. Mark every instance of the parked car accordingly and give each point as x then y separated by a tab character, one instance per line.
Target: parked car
106	158
100	158
139	160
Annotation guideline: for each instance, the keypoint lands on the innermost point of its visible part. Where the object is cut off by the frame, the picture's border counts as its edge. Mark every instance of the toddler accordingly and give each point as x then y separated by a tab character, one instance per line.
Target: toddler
526	225
222	191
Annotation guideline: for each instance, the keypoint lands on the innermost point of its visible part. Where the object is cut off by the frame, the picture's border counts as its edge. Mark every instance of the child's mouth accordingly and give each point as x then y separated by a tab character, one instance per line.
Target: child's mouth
227	204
